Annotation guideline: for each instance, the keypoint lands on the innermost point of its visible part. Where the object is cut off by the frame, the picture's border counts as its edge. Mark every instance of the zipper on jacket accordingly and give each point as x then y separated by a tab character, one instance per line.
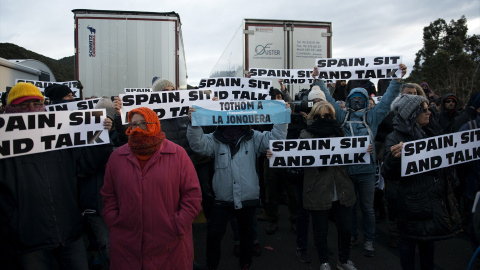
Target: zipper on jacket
53	207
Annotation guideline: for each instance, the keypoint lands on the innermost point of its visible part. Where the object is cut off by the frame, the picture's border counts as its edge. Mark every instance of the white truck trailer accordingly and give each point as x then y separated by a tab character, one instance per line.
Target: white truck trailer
115	50
275	44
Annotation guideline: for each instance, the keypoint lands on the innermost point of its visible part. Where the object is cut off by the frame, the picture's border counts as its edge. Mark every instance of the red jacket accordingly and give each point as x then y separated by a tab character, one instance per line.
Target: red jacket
149	212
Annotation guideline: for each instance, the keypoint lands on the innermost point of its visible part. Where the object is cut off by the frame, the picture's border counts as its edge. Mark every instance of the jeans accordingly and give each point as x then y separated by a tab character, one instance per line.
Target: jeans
303	219
274	180
365	189
236	234
221	214
100	230
343	221
72	256
407	254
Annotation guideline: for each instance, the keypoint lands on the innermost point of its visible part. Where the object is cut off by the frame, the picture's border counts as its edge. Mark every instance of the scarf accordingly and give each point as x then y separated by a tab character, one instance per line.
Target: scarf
324	128
144	146
15	109
232	134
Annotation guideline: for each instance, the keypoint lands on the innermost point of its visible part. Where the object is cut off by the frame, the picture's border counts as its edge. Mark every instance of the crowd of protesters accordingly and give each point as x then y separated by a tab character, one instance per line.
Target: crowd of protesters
133	201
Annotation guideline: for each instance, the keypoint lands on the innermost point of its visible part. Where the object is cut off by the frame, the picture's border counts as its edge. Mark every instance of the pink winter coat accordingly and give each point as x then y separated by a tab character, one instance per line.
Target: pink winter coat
149	213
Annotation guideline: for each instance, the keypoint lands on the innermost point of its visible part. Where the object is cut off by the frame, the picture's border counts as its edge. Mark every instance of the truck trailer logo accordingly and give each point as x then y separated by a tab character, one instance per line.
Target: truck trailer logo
91	41
262	50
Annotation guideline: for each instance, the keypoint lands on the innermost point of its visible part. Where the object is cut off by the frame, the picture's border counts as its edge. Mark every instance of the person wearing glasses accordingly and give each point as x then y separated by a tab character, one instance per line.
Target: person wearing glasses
151	196
326	188
424	211
40	218
448	112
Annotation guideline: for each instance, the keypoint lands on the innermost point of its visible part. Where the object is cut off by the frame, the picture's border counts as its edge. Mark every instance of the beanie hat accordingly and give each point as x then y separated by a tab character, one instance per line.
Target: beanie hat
161	84
57	91
472	98
23	91
316	92
476	102
150	116
107	104
408	106
154	79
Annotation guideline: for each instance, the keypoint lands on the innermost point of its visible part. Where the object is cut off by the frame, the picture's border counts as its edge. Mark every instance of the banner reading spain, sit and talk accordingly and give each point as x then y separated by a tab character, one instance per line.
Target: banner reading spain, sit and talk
246	112
359	68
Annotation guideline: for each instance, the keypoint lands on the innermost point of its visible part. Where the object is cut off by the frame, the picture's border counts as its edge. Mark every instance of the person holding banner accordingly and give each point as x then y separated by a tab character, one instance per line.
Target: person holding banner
326	188
40	218
151	196
59	93
426	207
235	182
358	120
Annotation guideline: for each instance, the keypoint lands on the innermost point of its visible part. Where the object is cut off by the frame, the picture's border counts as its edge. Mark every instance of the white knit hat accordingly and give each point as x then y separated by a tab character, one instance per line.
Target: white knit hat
316	93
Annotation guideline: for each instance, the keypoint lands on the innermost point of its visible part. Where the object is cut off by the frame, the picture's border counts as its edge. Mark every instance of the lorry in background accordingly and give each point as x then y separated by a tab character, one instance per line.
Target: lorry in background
275	44
115	50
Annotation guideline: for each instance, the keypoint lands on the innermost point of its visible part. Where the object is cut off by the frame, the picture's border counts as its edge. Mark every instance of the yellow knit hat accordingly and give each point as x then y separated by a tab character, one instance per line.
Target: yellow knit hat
23	91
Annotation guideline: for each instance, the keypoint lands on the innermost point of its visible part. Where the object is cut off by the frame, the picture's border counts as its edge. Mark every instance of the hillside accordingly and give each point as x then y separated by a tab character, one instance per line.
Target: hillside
63	69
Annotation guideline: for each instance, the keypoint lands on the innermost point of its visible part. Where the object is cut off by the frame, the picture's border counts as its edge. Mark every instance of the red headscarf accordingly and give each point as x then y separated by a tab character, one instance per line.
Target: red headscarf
144	143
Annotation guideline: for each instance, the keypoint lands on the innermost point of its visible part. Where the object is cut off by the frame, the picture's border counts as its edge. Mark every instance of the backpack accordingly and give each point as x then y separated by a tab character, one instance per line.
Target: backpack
363	122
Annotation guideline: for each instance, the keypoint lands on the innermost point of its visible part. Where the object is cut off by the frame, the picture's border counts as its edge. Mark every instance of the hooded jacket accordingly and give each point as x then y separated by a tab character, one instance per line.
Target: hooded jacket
426	207
372	117
447	117
235	179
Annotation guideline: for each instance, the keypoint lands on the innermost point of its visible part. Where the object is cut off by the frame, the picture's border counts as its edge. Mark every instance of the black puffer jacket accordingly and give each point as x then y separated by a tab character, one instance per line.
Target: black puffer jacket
38	197
427	210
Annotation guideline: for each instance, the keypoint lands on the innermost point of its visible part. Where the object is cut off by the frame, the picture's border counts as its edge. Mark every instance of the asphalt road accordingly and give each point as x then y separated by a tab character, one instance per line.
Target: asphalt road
453	253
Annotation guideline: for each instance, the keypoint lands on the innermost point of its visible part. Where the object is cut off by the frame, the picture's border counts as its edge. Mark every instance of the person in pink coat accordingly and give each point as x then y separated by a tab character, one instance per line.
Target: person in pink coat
151	196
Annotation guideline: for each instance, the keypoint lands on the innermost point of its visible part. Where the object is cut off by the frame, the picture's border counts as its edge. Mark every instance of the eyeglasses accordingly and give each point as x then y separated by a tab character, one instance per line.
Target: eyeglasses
324	116
449	101
142	125
28	104
425	110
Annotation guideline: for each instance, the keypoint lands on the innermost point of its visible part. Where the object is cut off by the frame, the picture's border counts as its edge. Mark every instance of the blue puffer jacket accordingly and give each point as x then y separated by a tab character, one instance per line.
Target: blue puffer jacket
373	118
235	179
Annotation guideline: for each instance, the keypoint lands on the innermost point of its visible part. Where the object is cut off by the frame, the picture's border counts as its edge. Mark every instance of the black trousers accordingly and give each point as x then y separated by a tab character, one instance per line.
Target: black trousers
343	221
220	216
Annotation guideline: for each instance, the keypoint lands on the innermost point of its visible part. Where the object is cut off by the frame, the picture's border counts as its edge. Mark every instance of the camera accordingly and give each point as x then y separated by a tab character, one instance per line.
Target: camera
301	103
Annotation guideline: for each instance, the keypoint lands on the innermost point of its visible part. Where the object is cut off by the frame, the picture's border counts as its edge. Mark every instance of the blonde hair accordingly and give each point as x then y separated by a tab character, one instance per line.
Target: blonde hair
321	106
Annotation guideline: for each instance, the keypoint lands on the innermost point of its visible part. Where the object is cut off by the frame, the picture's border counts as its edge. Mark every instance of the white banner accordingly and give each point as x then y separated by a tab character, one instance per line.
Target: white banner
289	76
439	152
359	68
320	152
73	105
235	83
30	133
138	90
172	104
42	85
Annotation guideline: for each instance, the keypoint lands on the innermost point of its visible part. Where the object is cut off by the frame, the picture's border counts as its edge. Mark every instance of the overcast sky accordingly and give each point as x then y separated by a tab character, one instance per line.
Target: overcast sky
360	28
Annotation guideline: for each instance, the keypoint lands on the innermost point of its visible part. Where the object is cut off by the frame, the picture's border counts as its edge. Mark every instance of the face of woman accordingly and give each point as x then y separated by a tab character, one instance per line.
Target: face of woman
323	113
138	121
424	117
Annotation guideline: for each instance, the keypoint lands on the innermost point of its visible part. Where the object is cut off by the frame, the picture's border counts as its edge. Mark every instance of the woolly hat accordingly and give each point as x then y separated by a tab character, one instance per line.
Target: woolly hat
472	98
57	91
316	92
150	117
408	106
23	91
476	102
161	84
154	79
107	104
